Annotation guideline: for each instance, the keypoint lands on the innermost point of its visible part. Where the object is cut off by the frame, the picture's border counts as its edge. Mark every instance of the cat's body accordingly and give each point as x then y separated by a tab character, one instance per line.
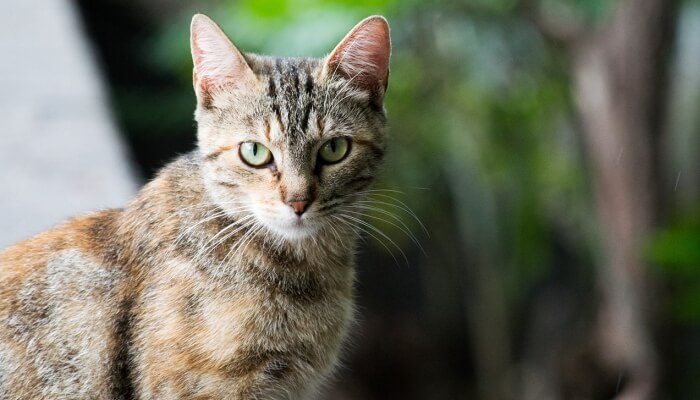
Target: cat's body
222	279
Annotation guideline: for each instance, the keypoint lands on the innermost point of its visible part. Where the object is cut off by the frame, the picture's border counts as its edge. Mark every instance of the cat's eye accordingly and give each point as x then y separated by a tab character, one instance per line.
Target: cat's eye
334	150
255	154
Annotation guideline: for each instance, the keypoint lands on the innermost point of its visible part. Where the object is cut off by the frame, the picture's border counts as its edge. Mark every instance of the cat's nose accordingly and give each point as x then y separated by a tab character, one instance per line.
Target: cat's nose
299	206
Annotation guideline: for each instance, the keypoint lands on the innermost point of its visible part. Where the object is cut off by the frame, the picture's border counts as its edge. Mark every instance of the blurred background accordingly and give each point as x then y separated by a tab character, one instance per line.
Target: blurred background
547	148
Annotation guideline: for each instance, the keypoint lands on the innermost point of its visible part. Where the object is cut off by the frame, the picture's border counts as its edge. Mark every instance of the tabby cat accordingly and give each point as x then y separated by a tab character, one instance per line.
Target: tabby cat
230	275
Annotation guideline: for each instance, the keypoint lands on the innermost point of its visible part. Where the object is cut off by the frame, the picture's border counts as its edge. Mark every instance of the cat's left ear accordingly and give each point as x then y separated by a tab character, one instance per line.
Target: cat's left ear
363	56
217	61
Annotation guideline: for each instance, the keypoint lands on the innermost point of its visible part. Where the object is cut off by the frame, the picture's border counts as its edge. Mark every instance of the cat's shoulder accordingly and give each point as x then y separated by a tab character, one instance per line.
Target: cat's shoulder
82	237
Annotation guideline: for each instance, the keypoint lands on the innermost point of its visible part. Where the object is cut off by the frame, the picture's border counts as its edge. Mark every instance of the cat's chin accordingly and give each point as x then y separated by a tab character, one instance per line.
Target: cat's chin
293	230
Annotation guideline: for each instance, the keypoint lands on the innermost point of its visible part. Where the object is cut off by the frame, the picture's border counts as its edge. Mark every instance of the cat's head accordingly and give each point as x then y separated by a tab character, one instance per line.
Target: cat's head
289	142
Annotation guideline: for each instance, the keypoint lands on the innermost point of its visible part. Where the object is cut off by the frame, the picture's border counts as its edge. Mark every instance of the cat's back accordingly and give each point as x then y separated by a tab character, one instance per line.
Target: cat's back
62	296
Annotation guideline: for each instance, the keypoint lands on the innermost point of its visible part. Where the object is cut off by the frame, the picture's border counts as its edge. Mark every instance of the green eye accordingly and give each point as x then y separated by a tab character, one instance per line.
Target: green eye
334	150
255	154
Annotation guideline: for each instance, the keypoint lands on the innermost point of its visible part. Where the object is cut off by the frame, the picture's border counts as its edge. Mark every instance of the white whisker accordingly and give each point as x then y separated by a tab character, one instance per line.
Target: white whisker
401	206
357	227
205	248
403	228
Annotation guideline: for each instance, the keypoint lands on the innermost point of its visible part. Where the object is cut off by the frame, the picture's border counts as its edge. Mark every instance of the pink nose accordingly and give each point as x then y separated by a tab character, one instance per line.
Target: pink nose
299	206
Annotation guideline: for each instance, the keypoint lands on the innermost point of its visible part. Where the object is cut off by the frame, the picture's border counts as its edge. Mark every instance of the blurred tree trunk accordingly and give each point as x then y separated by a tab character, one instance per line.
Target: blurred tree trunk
620	83
485	294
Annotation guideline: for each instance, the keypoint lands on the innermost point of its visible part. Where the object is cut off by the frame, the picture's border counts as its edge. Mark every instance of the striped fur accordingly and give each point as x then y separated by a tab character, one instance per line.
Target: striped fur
208	285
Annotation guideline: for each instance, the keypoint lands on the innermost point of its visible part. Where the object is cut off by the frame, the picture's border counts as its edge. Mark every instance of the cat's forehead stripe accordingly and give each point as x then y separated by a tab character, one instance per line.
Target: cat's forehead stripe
291	91
272	88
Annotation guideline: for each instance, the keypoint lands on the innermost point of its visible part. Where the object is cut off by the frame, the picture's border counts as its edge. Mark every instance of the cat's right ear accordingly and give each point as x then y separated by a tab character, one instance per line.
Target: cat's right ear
362	56
218	63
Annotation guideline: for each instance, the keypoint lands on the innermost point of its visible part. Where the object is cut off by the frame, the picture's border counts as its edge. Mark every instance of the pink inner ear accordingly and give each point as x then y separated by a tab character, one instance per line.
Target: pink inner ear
363	55
217	62
197	60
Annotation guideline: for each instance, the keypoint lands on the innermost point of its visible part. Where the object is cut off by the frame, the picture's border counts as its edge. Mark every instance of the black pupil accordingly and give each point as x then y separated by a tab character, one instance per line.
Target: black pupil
255	149
332	146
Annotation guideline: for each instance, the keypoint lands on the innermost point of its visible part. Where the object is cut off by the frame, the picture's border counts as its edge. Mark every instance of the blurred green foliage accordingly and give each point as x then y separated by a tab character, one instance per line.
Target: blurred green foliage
676	253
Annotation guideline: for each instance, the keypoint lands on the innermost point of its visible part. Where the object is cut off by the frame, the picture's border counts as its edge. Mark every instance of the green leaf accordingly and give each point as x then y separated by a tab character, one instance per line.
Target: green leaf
677	251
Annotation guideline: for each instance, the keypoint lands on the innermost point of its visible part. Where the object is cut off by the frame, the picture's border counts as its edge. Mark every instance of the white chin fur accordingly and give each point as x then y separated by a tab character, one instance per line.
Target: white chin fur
291	228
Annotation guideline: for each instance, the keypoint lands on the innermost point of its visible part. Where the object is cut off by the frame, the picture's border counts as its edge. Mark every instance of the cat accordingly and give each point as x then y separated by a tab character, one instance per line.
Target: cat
230	275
